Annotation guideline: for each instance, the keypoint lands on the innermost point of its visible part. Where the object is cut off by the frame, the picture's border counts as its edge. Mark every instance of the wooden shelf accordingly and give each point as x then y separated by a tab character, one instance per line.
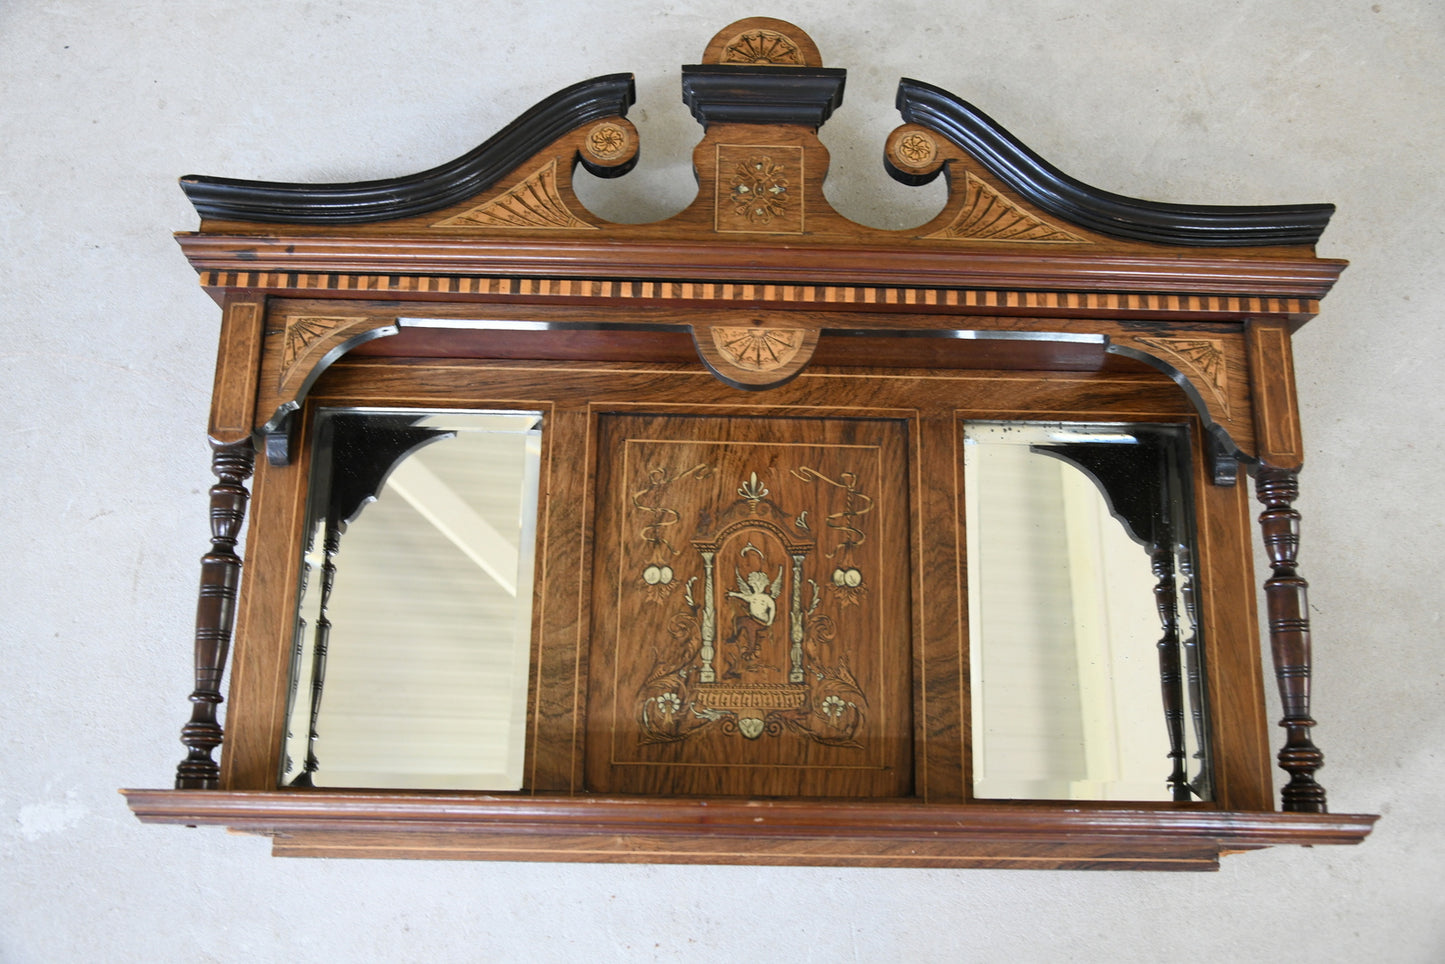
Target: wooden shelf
725	831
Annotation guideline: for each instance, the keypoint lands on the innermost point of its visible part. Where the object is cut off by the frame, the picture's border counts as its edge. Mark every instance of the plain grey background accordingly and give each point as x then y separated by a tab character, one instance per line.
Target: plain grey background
106	367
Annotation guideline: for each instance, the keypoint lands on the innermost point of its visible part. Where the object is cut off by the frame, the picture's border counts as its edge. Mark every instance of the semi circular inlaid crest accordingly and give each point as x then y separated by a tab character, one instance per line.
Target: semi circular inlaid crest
758	349
755	356
762	41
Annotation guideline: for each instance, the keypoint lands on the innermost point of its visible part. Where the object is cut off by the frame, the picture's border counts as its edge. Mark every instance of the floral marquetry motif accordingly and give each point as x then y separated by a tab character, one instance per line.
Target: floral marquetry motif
918	149
914	153
759	190
608	141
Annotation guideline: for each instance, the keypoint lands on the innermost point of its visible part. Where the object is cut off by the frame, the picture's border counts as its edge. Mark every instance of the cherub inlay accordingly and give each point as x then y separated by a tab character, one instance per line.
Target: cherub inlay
755	655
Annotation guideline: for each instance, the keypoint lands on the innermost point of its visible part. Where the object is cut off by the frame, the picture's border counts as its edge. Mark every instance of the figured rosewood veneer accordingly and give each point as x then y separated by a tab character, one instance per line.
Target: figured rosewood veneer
794	385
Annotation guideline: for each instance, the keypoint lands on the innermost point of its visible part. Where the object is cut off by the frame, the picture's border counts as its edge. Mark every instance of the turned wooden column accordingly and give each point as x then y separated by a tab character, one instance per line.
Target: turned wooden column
215	613
1193	673
1289	638
1171	677
320	648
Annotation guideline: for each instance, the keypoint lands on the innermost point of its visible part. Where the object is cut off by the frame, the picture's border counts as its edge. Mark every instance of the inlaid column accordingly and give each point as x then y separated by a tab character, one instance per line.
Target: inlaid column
707	674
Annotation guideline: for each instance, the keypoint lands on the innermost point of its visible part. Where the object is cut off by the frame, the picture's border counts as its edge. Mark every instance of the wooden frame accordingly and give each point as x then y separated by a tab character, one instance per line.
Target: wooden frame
486	283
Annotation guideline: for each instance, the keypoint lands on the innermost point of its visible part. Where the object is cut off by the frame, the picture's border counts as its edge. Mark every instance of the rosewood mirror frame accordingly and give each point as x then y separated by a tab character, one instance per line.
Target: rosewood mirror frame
485	283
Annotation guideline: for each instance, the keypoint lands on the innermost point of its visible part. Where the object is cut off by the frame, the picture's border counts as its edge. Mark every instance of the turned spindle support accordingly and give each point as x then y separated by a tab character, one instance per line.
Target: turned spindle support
1193	673
215	614
332	545
1289	638
1171	676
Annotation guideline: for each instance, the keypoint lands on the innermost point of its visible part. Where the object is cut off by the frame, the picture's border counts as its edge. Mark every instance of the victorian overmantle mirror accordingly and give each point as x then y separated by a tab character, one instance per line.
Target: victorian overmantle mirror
753	534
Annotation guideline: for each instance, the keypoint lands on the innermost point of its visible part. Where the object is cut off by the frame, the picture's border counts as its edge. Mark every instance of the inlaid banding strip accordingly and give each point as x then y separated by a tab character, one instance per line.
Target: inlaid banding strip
301	284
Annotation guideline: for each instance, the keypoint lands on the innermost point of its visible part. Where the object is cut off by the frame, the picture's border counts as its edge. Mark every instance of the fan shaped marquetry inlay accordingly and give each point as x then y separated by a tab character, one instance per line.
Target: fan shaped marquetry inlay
758	349
534	203
1201	359
989	216
763	47
302	332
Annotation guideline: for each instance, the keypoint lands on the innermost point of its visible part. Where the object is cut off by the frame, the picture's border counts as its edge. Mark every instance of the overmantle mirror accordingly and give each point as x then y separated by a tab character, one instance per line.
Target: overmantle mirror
412	644
1084	640
754	534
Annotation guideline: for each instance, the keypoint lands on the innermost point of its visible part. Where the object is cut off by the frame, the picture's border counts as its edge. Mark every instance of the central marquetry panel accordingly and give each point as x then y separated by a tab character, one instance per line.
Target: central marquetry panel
750	622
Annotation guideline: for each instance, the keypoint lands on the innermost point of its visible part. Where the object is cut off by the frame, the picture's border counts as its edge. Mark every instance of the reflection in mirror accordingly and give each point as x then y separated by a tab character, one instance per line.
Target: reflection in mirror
413	635
1081	612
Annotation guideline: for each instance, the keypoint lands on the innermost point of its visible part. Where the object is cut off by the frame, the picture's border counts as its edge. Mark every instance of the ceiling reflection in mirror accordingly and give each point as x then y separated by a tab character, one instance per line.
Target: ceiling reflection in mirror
412	644
1083	636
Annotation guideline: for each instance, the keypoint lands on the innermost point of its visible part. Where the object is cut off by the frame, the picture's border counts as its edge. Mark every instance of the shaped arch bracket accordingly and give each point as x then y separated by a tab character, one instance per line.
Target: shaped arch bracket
1211	370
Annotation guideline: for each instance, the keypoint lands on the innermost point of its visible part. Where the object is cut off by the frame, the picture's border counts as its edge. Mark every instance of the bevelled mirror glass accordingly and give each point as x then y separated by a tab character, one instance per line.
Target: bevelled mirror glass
1083	636
413	633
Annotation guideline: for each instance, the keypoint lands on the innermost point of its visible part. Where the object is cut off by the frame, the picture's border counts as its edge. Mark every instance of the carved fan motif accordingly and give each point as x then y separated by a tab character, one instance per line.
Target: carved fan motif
301	332
1204	359
763	47
758	349
534	203
989	216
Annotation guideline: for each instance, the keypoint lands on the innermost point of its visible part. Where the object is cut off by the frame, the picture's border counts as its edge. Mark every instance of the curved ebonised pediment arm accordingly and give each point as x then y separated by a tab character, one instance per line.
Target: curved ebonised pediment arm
227	199
1046	186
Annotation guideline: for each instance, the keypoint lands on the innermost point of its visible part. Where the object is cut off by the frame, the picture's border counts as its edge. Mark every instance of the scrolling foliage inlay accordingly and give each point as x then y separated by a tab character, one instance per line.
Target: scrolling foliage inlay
755	647
752	599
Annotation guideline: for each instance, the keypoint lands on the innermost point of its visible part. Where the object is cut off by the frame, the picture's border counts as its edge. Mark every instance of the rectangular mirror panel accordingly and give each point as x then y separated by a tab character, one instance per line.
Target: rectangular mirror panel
412	643
1085	669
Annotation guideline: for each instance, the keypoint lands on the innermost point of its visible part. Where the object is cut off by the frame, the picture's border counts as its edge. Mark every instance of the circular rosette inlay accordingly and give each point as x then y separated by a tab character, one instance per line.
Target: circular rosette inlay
606	141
